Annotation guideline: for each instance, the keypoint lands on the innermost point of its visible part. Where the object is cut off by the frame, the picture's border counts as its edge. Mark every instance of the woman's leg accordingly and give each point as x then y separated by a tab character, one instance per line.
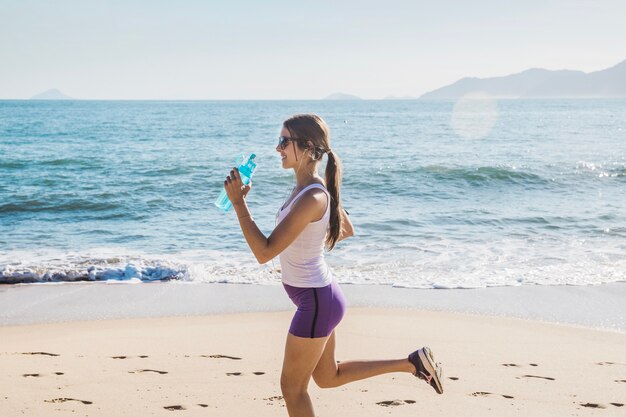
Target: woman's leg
328	373
302	355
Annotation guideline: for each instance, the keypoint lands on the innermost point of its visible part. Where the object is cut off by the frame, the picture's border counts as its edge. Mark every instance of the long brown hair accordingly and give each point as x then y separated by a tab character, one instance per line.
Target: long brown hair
310	127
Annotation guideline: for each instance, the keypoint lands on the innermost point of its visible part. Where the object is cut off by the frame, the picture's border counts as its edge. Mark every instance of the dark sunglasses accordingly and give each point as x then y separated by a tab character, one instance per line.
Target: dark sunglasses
283	141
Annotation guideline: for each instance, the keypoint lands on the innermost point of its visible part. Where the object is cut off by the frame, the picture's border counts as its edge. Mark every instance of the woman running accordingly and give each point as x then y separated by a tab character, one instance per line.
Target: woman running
311	220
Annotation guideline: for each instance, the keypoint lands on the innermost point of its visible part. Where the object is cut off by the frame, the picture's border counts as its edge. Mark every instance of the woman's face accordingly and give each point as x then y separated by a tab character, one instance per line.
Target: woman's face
288	155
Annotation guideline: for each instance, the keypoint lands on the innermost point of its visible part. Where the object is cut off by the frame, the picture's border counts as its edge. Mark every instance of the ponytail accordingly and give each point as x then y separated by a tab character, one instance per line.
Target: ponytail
311	132
333	185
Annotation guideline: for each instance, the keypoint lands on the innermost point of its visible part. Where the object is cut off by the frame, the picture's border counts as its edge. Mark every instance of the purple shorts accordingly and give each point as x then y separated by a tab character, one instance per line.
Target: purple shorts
319	310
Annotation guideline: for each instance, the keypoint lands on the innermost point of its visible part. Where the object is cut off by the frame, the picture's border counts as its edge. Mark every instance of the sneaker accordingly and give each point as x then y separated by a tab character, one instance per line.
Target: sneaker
426	368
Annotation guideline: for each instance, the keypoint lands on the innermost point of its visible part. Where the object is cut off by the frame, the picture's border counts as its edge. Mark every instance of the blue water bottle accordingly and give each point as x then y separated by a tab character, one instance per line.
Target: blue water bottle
246	168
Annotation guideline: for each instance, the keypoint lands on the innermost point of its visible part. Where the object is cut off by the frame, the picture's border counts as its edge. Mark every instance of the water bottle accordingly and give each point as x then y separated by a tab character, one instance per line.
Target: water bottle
246	168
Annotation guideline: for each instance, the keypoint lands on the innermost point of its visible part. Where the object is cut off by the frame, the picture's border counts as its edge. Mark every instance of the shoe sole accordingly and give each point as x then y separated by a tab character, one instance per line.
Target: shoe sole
428	360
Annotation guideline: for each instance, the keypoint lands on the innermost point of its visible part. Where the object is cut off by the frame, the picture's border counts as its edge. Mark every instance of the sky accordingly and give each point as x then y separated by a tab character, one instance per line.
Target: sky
265	49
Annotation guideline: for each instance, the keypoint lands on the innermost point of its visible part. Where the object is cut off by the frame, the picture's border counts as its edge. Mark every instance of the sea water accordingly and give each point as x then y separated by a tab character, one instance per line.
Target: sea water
442	194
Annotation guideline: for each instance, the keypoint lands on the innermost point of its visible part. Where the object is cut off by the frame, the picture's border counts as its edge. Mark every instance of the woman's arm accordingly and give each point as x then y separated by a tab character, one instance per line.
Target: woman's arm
305	210
347	229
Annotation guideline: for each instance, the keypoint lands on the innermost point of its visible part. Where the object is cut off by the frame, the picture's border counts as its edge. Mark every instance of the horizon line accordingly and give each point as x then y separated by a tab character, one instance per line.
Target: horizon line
324	99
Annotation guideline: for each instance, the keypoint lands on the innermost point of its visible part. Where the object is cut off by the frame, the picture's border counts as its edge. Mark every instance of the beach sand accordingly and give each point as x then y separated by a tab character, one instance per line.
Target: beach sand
229	365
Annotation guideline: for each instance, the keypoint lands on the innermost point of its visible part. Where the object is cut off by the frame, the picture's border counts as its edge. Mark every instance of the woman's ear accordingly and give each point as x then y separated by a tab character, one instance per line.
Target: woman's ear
310	147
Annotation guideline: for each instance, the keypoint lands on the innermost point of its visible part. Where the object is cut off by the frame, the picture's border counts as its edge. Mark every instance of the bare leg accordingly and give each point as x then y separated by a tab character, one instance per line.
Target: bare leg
301	358
328	373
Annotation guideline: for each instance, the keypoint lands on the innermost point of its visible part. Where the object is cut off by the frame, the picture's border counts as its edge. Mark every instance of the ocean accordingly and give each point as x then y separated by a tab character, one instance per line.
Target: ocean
443	194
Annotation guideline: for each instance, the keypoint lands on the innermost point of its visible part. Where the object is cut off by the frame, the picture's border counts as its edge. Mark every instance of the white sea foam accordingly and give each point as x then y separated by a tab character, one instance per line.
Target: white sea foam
441	265
103	265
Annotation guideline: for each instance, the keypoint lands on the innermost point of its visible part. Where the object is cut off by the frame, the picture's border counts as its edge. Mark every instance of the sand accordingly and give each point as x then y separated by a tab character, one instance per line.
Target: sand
598	306
229	365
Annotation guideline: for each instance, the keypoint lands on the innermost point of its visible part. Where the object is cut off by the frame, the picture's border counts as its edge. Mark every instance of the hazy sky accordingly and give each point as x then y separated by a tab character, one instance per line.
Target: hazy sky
157	49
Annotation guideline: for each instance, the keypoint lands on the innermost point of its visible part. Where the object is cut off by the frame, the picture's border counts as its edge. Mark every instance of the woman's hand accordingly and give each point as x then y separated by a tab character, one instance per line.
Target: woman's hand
347	229
235	189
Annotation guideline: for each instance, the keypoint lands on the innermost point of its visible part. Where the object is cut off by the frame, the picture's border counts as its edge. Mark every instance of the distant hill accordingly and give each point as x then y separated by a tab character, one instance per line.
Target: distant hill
541	83
399	98
52	94
341	96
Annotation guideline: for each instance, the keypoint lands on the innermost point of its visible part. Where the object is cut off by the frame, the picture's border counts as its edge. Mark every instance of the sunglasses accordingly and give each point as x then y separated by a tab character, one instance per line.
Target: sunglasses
283	141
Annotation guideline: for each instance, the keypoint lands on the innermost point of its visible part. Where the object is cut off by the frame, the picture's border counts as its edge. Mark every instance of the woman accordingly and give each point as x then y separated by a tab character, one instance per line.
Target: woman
311	219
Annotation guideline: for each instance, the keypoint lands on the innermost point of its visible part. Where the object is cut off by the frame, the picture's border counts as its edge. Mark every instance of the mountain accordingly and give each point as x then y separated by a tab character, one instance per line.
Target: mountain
541	83
399	98
341	96
52	94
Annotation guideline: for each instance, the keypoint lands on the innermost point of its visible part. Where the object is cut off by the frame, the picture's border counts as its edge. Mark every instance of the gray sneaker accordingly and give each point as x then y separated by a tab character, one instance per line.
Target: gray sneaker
426	368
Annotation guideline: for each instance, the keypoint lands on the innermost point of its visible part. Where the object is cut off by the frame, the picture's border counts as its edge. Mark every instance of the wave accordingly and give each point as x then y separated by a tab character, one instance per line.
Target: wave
489	176
62	162
608	170
82	163
13	164
476	176
93	270
39	206
484	175
165	171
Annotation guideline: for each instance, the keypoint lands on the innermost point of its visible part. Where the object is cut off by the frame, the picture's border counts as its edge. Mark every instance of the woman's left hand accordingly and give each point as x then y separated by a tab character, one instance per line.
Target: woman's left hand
235	189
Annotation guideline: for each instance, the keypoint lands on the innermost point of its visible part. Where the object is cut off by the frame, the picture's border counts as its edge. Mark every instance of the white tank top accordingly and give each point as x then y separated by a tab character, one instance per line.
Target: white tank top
302	262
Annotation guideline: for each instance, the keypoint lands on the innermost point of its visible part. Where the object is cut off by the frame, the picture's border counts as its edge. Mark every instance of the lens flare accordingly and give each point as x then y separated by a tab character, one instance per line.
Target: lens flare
474	115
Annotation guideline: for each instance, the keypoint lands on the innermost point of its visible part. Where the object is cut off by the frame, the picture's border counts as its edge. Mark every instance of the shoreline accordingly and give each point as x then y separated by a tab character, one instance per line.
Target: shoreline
599	306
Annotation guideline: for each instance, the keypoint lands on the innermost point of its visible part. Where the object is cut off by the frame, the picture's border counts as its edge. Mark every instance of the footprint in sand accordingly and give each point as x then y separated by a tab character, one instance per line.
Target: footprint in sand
516	365
128	357
40	353
484	394
480	393
221	357
62	400
174	407
38	375
454	378
593	405
147	370
239	373
395	403
610	363
620	381
275	400
181	407
536	376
